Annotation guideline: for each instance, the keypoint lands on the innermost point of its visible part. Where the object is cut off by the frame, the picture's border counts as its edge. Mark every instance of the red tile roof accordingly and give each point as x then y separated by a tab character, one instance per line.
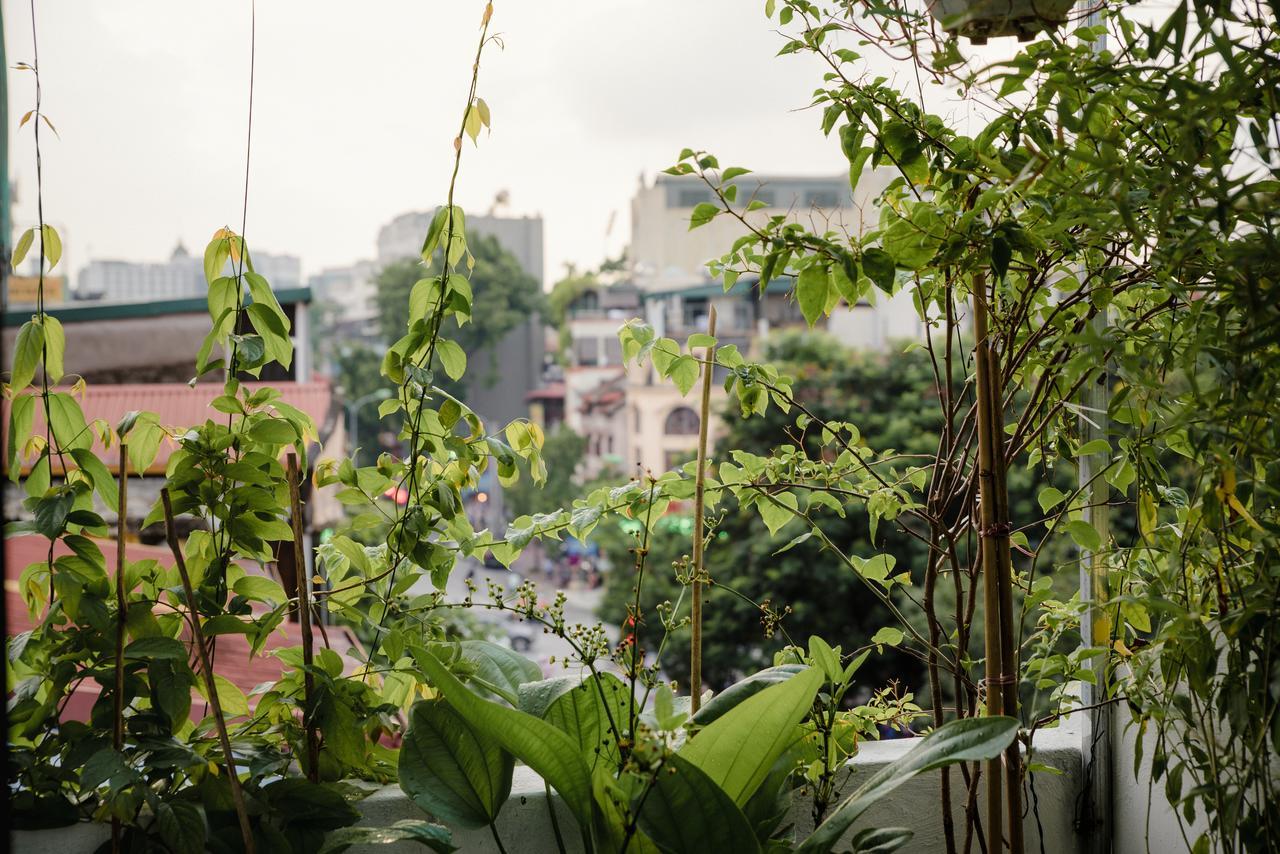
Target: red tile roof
179	405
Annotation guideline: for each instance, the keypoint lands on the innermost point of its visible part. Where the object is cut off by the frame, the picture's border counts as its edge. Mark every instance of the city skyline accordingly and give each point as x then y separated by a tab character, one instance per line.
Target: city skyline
332	162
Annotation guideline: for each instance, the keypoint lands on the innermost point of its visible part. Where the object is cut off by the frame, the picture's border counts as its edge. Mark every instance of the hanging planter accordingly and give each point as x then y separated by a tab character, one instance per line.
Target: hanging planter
979	20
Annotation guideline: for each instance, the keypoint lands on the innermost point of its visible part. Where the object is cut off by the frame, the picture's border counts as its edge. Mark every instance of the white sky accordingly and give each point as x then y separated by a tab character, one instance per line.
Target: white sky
356	105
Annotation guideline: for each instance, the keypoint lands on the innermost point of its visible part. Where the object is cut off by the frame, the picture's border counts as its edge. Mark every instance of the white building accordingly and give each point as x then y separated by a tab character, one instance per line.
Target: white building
180	276
521	236
350	291
501	396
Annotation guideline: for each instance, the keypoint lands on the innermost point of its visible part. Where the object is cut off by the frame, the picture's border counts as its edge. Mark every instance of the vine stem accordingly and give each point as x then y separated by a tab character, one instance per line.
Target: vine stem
122	611
304	620
700	522
197	636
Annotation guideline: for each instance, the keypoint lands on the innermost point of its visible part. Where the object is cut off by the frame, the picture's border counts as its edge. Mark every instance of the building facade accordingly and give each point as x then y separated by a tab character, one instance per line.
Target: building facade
502	396
182	275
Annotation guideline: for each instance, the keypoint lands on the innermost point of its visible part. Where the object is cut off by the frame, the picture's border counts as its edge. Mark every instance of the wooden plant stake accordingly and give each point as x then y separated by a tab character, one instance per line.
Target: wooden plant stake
197	636
1008	651
699	522
304	620
1003	783
122	607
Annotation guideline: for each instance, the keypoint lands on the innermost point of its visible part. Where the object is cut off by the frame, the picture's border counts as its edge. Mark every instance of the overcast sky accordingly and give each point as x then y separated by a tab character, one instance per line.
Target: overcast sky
355	109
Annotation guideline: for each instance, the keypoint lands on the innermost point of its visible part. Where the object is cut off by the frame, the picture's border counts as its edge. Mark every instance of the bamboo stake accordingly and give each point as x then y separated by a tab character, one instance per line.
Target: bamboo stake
122	610
304	620
990	557
699	523
1008	652
197	636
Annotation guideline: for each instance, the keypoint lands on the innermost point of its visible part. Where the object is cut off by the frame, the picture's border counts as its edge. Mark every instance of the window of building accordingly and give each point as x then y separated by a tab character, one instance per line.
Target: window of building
692	197
821	199
586	351
681	421
694	313
766	196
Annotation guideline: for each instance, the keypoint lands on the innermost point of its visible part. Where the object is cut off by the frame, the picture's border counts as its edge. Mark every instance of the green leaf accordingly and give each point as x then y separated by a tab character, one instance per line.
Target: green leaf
736	693
97	470
452	357
234	703
27	352
499	669
24	246
776	510
1084	535
181	825
452	770
811	292
274	431
260	588
889	636
737	750
702	214
594	714
880	840
435	836
541	746
153	648
1097	446
879	267
55	348
964	740
52	245
684	373
1048	497
21	416
685	811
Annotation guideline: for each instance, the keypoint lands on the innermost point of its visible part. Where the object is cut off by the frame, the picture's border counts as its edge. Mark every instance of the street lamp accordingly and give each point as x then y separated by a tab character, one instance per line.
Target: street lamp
353	412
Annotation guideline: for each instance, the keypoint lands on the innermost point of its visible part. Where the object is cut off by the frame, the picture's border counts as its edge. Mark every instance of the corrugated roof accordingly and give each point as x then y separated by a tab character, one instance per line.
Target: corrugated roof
178	405
88	310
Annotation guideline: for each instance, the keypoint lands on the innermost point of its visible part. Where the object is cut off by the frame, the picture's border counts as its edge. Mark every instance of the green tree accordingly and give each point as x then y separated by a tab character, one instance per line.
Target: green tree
891	396
503	294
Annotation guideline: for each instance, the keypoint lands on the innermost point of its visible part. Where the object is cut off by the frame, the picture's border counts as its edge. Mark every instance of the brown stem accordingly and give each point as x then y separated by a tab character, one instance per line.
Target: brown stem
700	522
197	636
1008	652
990	554
122	611
935	681
304	620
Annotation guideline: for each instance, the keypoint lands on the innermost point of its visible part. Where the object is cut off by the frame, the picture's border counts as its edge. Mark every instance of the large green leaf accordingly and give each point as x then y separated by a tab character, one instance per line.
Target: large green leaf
498	669
451	770
684	812
737	750
739	691
434	836
545	749
965	740
594	714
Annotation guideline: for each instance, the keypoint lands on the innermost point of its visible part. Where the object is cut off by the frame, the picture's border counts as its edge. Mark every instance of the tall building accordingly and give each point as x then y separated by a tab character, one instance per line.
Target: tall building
521	236
349	290
499	397
180	276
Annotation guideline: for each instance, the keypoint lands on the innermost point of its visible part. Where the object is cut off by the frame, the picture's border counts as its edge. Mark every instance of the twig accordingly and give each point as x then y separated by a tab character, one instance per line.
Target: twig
197	635
700	522
304	621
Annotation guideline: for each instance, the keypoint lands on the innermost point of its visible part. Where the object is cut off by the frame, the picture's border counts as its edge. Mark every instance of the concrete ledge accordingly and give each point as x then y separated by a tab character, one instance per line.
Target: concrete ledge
525	821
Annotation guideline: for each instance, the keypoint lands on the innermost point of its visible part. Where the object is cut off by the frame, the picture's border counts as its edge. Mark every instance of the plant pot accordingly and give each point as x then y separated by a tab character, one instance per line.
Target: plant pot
979	20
